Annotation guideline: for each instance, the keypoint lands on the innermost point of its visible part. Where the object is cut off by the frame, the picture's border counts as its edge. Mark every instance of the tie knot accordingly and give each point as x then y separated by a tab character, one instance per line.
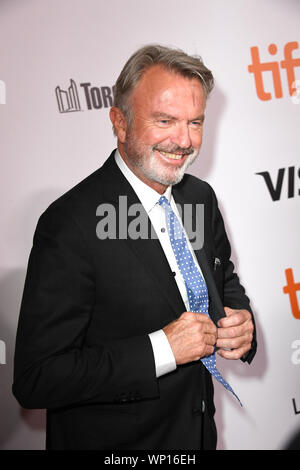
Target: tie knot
163	201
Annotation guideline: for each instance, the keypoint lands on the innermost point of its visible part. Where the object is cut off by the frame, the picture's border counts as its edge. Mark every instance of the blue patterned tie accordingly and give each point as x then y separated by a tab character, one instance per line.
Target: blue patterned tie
194	282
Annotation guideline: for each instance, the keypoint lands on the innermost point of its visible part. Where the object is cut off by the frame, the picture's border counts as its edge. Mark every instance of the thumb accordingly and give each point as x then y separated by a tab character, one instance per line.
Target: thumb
228	312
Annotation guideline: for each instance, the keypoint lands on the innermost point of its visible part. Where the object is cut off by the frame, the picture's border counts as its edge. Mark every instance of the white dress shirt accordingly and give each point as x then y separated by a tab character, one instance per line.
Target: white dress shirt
163	355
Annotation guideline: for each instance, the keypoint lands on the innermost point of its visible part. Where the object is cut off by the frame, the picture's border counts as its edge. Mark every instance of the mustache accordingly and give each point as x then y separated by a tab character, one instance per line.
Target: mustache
174	149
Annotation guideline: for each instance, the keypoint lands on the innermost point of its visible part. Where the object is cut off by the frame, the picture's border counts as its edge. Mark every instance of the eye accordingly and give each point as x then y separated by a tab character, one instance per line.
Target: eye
163	122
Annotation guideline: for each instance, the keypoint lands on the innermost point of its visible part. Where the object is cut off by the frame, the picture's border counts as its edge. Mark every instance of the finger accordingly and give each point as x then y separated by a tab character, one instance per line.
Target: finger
235	353
236	317
210	339
209	350
206	322
210	328
230	311
233	343
195	316
235	331
203	317
190	316
233	320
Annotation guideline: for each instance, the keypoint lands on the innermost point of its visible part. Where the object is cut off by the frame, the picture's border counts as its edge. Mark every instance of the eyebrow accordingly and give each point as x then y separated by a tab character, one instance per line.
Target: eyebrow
159	115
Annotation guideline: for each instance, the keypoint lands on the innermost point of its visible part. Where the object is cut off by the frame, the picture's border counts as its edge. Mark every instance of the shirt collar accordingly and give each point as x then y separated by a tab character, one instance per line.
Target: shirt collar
148	196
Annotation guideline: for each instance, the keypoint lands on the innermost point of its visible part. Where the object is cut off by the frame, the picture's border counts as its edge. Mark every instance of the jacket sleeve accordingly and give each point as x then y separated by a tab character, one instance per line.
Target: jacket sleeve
53	365
234	295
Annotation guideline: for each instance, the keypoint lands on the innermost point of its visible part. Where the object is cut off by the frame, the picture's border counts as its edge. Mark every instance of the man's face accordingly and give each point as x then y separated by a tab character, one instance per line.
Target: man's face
165	135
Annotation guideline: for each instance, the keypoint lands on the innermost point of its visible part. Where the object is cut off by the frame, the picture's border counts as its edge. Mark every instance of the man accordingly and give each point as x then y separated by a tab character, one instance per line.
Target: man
108	340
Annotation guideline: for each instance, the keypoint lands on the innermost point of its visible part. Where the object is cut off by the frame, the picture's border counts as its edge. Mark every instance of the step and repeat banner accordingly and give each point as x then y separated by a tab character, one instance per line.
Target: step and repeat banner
58	65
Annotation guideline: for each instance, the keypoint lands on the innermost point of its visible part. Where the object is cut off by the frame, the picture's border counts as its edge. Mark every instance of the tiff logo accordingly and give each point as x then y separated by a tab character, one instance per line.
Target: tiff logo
275	189
289	63
68	100
291	289
2	92
2	352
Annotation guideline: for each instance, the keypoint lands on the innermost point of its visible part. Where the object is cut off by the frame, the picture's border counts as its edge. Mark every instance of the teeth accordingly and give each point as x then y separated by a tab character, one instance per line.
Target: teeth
174	156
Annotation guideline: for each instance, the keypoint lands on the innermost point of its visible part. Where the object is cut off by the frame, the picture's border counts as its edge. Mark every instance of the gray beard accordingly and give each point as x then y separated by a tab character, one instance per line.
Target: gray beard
153	170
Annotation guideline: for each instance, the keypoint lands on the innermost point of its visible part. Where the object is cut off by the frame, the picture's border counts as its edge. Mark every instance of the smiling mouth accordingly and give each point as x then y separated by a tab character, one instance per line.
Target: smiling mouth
172	156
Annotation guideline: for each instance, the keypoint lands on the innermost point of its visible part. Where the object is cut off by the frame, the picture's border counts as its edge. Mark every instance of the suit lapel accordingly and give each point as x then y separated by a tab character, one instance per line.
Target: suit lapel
148	251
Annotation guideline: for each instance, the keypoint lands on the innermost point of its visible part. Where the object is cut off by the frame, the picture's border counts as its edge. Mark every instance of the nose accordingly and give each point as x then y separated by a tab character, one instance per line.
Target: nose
181	135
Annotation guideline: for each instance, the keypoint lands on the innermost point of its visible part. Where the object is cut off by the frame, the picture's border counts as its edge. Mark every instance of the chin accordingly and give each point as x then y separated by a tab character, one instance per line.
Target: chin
167	176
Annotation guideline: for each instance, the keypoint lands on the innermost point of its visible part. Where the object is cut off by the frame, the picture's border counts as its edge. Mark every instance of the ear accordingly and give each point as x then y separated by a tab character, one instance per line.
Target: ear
119	122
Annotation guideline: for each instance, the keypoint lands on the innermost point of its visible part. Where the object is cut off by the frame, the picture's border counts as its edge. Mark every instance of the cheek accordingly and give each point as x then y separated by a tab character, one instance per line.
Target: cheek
196	139
153	136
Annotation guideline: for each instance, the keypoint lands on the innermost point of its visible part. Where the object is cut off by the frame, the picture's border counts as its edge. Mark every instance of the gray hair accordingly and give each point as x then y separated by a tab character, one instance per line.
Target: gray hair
174	60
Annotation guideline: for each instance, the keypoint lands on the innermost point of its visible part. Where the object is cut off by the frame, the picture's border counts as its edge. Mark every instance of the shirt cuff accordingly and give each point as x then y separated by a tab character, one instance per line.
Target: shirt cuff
163	354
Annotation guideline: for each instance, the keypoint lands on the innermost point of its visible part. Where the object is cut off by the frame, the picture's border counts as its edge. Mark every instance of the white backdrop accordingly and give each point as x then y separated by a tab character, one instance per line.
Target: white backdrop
46	43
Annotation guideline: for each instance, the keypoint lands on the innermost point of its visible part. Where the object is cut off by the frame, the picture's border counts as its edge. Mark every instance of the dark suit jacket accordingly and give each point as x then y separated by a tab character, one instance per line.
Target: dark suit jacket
82	347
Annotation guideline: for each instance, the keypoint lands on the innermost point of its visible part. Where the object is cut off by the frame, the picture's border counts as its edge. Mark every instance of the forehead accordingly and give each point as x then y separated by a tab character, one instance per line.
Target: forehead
162	90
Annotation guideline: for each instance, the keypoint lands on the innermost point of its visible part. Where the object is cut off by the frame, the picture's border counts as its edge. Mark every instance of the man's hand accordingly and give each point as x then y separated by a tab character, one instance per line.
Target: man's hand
191	336
235	333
